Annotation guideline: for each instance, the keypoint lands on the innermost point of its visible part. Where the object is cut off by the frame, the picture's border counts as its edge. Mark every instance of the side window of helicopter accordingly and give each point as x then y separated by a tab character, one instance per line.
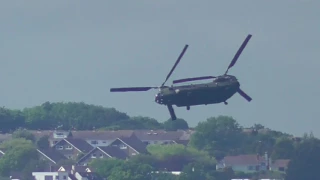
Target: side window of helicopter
221	80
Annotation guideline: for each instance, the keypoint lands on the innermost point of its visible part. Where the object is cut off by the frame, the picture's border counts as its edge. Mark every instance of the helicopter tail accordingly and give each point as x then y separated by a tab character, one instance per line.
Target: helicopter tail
171	111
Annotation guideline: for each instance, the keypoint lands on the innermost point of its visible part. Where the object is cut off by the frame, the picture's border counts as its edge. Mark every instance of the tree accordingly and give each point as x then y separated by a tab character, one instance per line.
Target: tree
131	171
119	169
17	156
23	133
10	120
283	149
43	142
177	124
218	135
305	161
71	115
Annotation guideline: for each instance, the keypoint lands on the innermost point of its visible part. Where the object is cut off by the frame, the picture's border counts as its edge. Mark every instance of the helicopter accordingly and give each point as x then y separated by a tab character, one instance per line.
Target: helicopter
219	90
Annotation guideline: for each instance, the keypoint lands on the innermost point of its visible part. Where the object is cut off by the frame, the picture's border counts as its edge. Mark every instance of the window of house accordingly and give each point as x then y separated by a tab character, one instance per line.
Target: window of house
69	147
281	168
94	142
64	177
57	177
122	146
59	147
101	155
93	155
133	154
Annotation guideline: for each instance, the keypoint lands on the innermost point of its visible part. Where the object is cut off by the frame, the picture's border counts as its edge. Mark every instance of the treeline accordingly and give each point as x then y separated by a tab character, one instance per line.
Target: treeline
78	116
213	139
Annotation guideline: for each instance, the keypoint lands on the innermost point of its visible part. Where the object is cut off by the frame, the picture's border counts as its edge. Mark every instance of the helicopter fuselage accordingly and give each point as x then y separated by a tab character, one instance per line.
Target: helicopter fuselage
219	90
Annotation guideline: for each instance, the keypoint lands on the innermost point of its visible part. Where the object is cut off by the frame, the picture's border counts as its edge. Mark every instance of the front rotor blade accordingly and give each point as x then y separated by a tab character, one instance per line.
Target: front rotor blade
131	89
243	94
175	65
235	58
192	79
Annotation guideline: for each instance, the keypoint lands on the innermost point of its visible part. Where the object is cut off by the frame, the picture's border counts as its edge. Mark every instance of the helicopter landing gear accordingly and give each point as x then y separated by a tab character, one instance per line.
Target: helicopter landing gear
225	103
188	108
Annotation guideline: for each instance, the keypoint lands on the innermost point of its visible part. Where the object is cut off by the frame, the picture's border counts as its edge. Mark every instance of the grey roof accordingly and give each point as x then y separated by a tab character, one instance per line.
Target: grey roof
144	135
80	144
101	135
135	143
72	177
52	154
159	135
247	159
6	136
113	152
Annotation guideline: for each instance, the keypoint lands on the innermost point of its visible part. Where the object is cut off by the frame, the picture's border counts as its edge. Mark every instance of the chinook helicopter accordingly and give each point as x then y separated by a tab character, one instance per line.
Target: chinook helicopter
219	90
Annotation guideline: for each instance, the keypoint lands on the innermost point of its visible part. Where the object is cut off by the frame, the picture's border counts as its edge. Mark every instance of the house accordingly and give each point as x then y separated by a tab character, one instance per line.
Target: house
130	145
51	155
102	152
101	138
245	163
104	138
280	165
72	148
65	173
15	175
72	169
52	176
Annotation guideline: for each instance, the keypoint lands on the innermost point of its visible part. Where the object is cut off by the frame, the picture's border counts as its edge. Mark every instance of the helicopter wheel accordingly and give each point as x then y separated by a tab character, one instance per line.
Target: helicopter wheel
188	108
225	103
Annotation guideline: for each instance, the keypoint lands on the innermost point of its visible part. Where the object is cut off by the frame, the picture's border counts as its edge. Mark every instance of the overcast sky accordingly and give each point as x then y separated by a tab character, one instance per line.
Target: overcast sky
77	50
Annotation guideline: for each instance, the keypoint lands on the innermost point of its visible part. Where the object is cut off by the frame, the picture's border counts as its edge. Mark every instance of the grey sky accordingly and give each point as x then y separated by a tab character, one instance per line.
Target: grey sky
77	50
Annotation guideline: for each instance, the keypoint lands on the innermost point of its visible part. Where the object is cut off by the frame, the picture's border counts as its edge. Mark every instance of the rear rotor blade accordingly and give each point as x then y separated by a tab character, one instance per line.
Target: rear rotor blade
192	79
175	65
243	94
235	58
131	89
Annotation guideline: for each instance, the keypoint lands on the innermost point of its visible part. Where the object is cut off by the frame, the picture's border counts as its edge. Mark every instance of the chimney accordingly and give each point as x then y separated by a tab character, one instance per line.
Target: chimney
266	159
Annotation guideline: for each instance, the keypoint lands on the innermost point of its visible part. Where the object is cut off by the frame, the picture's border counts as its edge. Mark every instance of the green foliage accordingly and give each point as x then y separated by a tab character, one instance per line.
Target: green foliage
168	151
283	149
70	115
10	120
16	142
218	135
114	169
78	116
18	153
22	133
171	125
43	142
305	161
